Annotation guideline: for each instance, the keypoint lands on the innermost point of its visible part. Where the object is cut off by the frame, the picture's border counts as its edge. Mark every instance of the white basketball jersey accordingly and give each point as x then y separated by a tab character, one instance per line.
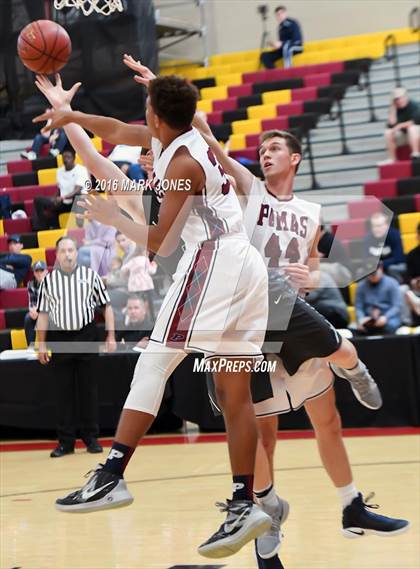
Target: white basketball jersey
216	212
283	231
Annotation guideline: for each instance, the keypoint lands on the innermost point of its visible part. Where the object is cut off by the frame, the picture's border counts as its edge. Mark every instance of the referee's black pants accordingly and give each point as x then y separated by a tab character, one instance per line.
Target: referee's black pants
76	386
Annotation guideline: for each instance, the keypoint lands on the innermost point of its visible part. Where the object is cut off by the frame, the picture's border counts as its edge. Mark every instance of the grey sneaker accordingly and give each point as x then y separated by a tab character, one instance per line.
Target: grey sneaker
363	385
245	521
269	543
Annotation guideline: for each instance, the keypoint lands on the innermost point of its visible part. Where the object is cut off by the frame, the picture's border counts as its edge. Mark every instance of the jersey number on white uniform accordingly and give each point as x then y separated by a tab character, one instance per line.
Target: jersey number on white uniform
273	251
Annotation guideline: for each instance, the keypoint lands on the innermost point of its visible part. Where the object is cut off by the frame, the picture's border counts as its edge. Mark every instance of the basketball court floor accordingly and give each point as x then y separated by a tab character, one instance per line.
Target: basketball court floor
176	480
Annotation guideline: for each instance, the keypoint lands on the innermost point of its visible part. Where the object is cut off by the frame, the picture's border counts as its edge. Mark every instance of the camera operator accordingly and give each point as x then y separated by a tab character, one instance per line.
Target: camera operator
290	39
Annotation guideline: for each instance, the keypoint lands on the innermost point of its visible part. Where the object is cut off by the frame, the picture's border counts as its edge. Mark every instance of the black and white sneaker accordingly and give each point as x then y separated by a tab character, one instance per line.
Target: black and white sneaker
362	383
103	490
245	521
359	521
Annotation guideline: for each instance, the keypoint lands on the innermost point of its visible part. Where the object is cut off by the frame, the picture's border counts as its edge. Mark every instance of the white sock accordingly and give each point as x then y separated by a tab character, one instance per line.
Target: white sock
347	494
270	500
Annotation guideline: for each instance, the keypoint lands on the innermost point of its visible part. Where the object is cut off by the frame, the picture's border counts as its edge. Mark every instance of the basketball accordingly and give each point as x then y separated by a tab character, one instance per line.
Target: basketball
44	46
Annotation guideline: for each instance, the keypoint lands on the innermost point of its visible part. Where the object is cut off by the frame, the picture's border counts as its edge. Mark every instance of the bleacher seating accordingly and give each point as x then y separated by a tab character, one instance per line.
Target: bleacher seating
240	101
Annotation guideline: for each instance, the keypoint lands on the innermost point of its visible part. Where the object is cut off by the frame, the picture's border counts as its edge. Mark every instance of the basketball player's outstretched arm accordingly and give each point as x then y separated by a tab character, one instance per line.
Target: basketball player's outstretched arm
112	130
164	237
242	175
98	165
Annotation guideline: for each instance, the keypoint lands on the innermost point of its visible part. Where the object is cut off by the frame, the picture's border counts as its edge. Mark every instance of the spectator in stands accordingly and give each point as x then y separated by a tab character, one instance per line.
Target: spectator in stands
412	291
378	304
56	138
403	125
67	300
98	247
328	301
290	40
137	325
40	270
72	179
115	278
334	258
126	158
14	265
117	285
139	270
127	246
384	243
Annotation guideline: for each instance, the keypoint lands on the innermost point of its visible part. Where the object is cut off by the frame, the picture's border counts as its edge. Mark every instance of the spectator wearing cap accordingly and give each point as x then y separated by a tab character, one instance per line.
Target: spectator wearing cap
378	304
403	125
290	40
14	265
72	179
40	270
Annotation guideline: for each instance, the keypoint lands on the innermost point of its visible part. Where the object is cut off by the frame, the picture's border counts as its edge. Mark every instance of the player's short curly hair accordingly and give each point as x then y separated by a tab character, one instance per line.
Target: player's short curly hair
174	100
293	144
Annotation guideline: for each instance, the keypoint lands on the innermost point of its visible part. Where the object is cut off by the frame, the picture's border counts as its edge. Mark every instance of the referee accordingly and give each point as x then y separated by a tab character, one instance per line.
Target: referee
66	305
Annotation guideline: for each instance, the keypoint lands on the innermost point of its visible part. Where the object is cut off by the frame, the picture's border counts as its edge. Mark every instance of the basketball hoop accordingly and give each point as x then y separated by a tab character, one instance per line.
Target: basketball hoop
104	7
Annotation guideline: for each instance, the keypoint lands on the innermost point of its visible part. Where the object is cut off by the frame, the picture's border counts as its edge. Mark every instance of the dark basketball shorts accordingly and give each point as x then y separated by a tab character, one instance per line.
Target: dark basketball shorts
296	332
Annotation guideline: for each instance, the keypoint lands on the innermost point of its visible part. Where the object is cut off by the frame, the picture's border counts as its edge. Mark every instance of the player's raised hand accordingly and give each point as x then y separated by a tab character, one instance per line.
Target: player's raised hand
56	94
99	209
57	119
146	162
144	75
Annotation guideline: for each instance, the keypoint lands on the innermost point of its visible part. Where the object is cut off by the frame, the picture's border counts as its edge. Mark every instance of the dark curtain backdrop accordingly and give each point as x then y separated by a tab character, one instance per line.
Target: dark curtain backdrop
98	42
27	390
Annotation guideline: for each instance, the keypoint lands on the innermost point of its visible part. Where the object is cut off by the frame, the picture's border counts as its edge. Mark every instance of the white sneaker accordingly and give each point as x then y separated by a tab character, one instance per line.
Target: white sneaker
385	162
415	155
54	152
269	543
28	154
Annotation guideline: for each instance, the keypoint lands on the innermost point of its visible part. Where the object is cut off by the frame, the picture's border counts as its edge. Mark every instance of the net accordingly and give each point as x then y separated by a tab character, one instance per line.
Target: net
104	7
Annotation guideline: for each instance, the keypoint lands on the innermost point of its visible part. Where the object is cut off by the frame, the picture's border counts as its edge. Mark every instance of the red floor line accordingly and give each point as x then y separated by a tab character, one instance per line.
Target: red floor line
178	439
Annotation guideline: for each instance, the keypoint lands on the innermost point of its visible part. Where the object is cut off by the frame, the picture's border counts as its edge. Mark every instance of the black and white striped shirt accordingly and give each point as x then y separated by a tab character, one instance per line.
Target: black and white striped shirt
70	298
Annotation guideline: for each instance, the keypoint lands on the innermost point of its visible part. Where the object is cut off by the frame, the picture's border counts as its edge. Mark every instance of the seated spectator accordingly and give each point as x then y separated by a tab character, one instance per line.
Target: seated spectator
98	247
334	258
378	304
126	158
40	270
139	270
328	301
127	246
71	181
56	138
137	326
14	265
290	40
403	125
412	290
117	285
383	244
117	295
